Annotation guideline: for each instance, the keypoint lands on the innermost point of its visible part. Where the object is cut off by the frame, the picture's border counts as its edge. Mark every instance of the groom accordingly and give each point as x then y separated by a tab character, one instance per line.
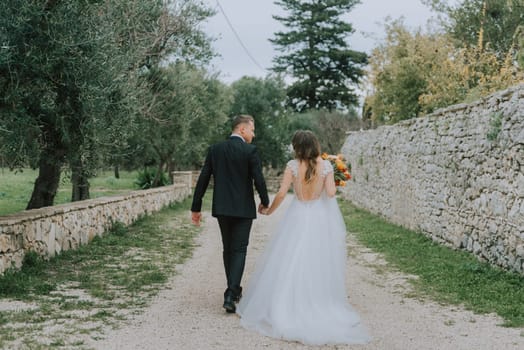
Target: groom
235	166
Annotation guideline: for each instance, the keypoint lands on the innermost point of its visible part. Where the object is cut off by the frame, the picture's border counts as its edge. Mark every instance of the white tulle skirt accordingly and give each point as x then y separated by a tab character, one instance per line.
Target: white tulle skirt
297	291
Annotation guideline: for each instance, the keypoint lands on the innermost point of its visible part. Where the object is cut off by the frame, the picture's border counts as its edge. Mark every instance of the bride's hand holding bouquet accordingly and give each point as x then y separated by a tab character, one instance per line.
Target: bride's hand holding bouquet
341	169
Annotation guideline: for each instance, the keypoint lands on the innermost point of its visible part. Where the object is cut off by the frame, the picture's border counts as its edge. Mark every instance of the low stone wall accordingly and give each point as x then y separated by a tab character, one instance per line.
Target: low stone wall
456	175
50	230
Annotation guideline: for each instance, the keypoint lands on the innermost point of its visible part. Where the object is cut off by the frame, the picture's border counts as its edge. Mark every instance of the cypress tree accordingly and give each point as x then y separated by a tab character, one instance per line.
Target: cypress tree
314	51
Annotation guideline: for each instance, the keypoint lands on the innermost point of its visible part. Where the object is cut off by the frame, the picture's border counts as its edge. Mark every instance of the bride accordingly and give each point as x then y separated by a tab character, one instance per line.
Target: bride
297	291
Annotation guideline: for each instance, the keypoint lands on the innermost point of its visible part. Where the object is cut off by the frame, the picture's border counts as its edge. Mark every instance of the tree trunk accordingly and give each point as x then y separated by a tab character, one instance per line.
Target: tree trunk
48	179
170	170
80	182
117	172
79	148
159	170
50	164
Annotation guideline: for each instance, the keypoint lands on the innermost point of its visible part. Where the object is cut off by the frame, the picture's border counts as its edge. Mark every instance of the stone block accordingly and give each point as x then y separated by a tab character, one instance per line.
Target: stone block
477	248
519	251
493	227
518	136
58	247
83	237
497	204
50	242
16	259
5	243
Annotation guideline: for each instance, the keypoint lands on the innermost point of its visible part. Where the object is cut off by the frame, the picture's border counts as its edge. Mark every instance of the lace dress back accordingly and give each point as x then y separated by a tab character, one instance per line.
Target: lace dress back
313	189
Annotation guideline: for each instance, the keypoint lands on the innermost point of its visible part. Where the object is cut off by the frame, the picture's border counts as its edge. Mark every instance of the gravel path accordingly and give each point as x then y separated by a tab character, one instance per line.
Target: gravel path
188	314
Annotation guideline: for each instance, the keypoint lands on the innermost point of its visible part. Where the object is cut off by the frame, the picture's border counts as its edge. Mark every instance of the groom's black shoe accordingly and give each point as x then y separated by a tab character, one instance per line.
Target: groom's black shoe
229	301
238	295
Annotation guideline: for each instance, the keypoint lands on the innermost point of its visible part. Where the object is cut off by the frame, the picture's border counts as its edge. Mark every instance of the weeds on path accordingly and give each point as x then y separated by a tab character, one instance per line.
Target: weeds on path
445	275
76	295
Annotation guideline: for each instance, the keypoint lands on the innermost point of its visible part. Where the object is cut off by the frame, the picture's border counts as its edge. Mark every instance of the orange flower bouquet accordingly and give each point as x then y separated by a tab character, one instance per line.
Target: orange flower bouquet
341	169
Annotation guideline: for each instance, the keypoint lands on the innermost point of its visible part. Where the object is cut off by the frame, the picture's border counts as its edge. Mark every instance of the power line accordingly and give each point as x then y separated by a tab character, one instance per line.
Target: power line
238	37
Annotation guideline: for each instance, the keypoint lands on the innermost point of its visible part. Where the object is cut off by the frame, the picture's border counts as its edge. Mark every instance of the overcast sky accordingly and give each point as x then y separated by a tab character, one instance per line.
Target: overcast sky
253	22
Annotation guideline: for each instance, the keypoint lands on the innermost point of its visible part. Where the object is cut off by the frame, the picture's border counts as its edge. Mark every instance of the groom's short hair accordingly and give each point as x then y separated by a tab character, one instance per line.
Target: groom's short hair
241	119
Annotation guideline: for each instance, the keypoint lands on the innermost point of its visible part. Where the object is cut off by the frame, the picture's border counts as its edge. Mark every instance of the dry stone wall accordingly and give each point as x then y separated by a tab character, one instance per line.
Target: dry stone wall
51	230
456	175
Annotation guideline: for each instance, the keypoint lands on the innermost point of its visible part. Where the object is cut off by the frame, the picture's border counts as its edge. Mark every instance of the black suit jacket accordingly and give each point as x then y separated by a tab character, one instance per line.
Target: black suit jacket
235	166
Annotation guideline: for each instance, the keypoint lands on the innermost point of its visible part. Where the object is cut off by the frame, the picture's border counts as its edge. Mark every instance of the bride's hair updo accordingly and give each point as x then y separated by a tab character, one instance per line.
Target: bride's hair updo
307	148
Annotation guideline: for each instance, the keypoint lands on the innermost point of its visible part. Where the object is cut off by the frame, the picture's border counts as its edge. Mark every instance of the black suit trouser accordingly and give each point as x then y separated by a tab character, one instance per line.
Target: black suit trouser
235	239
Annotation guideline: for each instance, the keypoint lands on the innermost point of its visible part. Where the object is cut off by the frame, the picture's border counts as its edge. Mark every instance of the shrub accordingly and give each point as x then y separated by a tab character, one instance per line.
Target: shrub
146	178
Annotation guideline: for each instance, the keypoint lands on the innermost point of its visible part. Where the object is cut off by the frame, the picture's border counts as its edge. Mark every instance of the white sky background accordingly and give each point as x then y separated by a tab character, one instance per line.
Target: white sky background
253	22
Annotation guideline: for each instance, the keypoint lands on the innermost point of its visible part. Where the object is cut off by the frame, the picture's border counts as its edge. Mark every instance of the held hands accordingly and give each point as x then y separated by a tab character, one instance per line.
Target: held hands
263	209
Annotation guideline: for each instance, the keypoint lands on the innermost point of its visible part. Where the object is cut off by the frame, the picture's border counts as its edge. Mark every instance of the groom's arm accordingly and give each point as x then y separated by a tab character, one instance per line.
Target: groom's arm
255	166
202	183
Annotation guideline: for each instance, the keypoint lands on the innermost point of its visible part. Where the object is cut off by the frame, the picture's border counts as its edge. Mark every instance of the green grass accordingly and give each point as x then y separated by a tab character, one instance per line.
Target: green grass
16	187
99	283
445	275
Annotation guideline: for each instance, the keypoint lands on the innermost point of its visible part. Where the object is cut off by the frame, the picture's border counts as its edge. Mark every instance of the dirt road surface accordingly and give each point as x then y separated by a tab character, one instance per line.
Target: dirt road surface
188	314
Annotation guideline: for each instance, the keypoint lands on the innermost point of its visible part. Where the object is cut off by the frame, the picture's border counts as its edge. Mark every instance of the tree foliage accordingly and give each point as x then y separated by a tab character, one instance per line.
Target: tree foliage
397	73
330	127
414	73
315	53
189	108
71	79
483	23
264	100
53	77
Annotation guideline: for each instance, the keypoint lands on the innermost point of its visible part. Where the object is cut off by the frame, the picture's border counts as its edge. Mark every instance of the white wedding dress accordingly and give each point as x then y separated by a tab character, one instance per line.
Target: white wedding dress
298	291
